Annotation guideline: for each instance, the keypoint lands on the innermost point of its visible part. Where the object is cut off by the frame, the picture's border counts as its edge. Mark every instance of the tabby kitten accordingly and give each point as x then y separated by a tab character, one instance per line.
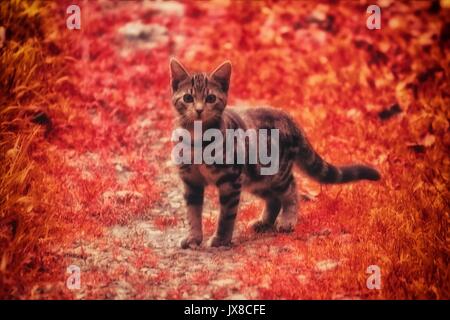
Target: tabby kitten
203	97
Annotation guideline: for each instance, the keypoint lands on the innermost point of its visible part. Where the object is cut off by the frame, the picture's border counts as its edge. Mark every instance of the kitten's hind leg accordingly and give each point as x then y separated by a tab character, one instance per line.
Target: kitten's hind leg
270	214
289	215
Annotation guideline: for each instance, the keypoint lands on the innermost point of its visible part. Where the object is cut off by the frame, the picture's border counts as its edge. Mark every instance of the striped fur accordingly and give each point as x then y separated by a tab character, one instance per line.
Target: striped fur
278	191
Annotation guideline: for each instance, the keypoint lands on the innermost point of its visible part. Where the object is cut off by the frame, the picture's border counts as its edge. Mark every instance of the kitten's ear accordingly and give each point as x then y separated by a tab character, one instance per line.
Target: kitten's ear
222	75
177	73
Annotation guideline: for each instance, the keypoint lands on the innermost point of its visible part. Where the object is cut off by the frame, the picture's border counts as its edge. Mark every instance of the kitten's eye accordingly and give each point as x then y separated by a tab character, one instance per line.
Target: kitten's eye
188	98
210	98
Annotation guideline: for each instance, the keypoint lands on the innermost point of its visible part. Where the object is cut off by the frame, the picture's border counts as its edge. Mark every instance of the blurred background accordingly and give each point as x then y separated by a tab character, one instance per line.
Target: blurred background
86	120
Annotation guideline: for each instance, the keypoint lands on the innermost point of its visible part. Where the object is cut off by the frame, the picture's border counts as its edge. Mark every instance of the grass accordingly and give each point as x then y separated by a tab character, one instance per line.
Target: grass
28	72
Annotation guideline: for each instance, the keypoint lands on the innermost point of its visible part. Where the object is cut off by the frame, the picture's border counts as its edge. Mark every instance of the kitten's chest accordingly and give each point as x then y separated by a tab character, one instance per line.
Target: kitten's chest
210	174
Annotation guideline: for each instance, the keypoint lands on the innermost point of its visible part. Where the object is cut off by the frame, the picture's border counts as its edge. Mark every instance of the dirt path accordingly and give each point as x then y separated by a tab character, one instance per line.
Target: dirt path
175	268
168	271
141	258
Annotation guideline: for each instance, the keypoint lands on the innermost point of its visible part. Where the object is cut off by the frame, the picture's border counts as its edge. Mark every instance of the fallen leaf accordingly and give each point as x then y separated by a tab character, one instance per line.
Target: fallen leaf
429	140
2	36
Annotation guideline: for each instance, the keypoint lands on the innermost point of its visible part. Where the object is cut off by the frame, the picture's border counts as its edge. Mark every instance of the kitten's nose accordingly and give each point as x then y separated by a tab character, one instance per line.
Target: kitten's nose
199	108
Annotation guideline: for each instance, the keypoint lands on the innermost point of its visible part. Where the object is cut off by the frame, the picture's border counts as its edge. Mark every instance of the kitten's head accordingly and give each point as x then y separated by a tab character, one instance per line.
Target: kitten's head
199	97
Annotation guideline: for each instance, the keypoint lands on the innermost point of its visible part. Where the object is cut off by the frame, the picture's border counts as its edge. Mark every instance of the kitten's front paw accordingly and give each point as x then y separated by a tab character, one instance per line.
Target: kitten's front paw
190	241
216	241
285	226
261	226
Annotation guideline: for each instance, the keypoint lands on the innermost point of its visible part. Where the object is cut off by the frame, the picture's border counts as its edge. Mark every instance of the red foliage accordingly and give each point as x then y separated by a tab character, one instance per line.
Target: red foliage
98	168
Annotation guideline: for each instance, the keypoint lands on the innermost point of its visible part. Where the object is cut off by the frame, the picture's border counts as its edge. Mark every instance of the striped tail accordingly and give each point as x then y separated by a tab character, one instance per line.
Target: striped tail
317	168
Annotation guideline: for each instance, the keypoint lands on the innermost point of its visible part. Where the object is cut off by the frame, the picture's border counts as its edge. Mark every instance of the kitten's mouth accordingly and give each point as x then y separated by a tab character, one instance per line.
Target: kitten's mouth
189	121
